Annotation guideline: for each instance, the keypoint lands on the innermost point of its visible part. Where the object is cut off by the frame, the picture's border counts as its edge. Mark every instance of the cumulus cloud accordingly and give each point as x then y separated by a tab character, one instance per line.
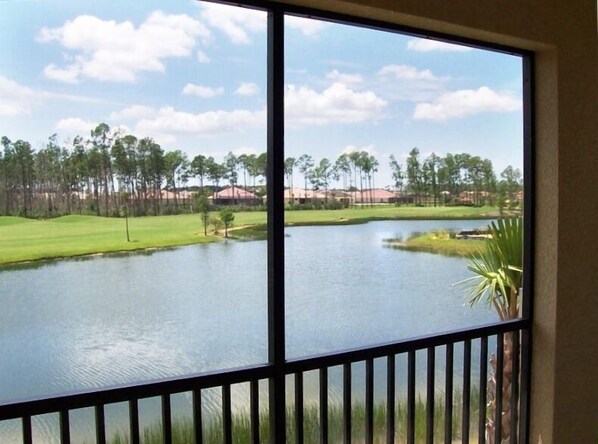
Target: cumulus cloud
357	149
15	99
75	126
247	89
347	79
309	27
118	51
336	104
237	23
407	72
205	92
465	103
170	121
406	82
202	57
427	45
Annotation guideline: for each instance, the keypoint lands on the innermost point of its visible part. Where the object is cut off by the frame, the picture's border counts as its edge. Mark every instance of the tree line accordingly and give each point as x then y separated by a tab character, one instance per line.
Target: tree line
107	171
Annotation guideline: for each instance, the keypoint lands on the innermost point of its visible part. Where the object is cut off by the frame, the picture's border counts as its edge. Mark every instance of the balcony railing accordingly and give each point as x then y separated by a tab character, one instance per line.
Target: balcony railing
455	410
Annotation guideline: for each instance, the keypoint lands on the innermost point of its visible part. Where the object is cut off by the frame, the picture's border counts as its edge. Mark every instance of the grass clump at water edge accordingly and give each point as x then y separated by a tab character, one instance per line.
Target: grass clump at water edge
183	429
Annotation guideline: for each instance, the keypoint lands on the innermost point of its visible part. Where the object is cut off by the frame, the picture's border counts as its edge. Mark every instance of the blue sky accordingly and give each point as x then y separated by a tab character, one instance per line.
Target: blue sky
192	75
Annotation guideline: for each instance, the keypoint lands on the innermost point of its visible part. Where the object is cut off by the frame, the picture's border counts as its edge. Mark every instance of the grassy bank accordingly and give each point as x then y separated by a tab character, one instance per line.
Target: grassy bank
23	240
182	429
440	242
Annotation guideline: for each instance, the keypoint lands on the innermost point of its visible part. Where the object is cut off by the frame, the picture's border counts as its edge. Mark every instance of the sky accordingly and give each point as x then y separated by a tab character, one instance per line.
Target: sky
192	75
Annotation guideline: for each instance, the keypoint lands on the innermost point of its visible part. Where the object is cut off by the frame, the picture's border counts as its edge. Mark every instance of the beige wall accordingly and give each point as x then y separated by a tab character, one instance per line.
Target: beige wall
564	35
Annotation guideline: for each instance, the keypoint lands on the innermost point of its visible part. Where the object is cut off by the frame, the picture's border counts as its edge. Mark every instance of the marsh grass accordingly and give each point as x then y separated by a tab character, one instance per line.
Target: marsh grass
439	242
182	429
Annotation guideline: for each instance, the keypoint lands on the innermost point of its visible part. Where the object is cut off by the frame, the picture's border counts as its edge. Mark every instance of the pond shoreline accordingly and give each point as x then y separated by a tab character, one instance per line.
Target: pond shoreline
246	232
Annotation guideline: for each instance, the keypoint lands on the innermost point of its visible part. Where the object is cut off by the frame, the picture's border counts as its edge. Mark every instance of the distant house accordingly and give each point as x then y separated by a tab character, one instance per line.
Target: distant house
375	195
300	196
234	196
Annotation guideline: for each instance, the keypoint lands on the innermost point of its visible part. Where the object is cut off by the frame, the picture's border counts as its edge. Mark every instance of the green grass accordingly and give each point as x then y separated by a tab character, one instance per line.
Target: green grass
23	240
182	429
438	242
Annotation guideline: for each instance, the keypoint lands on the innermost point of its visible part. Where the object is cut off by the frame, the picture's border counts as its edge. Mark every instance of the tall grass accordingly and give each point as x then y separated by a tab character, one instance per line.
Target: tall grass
183	432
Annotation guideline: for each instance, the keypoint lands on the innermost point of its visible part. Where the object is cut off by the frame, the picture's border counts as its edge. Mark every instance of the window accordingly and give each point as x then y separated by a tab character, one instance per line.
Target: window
362	123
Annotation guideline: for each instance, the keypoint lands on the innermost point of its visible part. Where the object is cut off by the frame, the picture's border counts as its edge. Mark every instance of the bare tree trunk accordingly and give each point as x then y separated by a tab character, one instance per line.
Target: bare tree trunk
507	382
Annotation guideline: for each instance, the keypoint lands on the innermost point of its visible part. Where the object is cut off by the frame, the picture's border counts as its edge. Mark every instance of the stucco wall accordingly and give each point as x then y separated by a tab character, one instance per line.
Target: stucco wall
564	35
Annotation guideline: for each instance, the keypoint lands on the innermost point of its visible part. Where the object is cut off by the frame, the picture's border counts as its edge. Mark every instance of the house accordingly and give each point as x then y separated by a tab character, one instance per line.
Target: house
234	196
375	196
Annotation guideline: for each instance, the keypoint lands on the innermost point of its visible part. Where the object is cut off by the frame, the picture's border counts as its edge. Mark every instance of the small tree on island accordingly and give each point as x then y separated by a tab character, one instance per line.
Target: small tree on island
227	217
499	276
203	208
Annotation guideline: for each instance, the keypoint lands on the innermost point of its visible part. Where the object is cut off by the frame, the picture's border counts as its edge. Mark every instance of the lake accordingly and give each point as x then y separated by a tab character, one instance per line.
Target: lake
101	321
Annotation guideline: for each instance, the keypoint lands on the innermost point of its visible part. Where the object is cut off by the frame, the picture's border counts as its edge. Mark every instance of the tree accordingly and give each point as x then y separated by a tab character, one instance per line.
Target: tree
305	164
231	164
414	173
343	167
226	217
397	173
203	208
199	168
498	269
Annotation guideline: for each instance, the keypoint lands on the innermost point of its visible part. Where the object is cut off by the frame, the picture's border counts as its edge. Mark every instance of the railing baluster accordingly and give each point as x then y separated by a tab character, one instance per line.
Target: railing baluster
466	391
483	389
514	387
197	417
390	399
299	407
254	401
324	405
100	424
369	401
166	420
431	367
134	420
227	428
65	427
499	386
347	403
411	397
27	434
448	395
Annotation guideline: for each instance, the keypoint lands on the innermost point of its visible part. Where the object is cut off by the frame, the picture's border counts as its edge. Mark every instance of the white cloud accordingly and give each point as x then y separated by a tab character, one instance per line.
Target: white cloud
15	99
75	126
202	57
133	113
405	82
309	27
336	104
111	51
427	45
170	121
237	23
356	149
247	89
407	72
466	102
205	92
347	79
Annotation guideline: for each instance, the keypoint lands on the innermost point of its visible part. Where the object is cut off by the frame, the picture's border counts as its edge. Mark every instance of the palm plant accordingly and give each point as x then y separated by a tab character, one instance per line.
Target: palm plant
498	269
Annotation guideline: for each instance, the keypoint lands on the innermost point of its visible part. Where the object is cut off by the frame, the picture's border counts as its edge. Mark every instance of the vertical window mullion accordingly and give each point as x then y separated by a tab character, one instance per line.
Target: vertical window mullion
275	191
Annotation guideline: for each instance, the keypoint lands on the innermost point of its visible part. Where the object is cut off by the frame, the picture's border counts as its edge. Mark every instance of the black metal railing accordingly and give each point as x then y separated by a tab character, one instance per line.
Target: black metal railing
403	415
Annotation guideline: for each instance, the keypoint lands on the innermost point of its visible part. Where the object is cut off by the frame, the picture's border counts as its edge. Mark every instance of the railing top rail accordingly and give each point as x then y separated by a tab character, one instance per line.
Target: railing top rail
136	391
419	343
245	374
